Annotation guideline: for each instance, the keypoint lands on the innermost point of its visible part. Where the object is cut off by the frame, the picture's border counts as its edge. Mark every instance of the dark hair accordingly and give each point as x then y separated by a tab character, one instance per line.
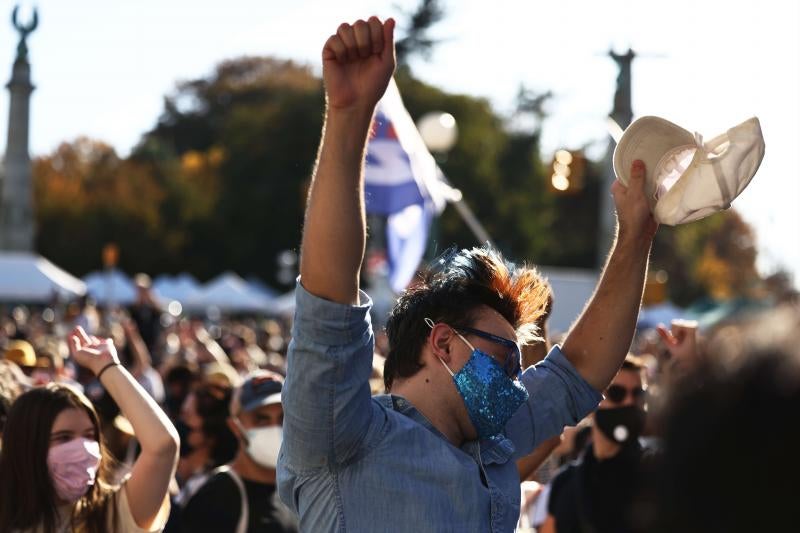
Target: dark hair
452	291
212	402
26	489
731	442
633	363
180	374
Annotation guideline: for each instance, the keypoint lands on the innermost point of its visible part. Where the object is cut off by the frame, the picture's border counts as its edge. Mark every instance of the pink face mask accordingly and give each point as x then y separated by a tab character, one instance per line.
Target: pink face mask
73	467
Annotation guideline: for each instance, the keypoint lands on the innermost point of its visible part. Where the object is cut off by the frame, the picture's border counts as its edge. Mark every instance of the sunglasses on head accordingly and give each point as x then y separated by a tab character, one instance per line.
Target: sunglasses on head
618	393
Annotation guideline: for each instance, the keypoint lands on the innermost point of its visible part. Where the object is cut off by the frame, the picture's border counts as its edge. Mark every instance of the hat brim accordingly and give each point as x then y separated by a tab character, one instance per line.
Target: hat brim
648	139
272	399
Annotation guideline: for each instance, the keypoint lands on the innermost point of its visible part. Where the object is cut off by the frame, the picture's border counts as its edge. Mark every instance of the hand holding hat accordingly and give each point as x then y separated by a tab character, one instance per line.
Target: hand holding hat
633	211
689	179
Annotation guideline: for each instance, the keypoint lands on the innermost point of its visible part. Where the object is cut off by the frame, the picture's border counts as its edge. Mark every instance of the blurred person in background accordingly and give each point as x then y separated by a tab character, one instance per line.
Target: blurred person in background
535	469
600	493
533	353
730	442
12	383
86	315
178	382
49	368
139	361
54	473
206	440
243	351
536	491
674	353
146	312
22	354
241	497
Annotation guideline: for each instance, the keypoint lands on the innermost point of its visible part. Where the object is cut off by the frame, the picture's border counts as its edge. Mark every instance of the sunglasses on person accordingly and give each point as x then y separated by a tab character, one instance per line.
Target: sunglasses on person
618	393
512	355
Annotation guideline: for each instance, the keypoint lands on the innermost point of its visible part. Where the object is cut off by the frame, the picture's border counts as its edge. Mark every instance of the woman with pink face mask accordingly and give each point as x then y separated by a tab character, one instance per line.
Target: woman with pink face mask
55	474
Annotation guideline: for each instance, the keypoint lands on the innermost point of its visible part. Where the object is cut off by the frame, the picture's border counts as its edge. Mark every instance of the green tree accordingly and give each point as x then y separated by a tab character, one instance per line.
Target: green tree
254	126
86	196
416	39
713	257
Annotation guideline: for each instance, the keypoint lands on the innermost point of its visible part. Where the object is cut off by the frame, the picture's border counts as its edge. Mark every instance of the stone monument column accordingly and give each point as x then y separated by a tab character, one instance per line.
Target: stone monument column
622	114
16	197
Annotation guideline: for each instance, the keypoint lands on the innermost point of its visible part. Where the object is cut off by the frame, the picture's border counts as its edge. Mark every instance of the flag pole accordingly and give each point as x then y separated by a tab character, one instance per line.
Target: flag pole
456	198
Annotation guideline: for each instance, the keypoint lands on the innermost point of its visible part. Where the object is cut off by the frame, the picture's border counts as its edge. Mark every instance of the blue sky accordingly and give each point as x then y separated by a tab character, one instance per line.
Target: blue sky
102	69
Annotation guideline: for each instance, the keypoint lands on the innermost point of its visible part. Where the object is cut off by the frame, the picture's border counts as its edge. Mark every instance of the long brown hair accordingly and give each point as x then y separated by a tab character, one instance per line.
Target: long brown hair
27	496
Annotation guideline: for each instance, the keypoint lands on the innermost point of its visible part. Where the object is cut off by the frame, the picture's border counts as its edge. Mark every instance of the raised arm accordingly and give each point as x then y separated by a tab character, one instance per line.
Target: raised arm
141	355
358	62
147	486
600	339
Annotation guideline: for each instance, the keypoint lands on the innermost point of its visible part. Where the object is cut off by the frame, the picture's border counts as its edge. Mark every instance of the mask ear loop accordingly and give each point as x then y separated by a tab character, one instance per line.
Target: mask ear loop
430	324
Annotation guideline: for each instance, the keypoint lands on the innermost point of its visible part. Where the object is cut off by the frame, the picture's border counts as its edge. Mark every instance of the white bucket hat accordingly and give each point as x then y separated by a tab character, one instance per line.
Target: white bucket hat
687	179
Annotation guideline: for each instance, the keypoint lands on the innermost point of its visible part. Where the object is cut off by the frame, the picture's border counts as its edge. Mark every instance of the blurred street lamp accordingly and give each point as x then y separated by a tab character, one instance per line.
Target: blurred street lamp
438	130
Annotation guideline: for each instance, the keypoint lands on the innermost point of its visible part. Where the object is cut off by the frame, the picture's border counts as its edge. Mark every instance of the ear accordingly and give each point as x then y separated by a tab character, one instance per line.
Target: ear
236	428
439	341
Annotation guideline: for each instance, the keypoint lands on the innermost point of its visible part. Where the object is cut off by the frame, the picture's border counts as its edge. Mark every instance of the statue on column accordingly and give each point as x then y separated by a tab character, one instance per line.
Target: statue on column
17	221
24	31
623	111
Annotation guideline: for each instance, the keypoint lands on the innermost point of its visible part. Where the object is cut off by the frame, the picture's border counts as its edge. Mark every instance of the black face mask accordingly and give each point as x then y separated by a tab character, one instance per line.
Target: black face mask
183	433
623	425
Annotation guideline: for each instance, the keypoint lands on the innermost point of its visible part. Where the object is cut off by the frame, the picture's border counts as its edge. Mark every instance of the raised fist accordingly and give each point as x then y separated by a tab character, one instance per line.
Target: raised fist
357	64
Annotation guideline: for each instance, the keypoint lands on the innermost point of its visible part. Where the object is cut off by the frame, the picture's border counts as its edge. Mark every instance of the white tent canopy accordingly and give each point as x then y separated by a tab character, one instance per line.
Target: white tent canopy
228	293
26	277
181	287
262	288
284	304
572	288
111	287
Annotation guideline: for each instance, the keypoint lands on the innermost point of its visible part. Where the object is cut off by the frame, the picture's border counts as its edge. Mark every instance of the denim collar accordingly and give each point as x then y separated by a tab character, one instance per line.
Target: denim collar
494	450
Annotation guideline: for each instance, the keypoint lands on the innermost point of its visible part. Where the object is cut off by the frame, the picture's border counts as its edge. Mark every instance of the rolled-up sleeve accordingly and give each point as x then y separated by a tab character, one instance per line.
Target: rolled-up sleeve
326	397
558	397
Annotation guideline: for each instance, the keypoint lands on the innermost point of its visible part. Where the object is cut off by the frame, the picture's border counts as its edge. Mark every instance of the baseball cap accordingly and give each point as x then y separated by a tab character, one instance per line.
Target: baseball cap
258	388
21	352
688	179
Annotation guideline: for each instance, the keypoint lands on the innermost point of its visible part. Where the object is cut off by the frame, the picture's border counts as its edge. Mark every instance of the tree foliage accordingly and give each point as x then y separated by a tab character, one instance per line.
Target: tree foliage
417	39
87	196
219	184
714	257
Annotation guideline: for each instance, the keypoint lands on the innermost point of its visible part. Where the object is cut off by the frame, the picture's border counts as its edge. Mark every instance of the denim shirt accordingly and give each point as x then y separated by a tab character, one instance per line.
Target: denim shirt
354	462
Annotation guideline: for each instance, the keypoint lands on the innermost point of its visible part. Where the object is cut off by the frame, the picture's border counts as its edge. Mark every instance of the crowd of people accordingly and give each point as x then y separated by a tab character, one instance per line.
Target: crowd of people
182	422
452	419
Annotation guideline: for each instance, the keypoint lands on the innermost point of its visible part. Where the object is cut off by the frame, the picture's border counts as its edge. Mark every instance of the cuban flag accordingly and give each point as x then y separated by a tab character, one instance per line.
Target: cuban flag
402	182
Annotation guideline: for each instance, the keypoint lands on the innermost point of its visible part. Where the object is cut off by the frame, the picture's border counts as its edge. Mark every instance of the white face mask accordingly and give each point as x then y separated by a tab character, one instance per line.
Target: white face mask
263	444
688	179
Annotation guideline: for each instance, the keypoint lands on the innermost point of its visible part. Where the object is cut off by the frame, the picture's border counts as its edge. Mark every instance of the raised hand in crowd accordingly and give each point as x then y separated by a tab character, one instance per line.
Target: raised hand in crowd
358	62
151	473
682	348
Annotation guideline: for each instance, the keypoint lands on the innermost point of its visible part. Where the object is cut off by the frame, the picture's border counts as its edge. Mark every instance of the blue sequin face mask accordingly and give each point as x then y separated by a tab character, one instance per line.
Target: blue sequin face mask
491	397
